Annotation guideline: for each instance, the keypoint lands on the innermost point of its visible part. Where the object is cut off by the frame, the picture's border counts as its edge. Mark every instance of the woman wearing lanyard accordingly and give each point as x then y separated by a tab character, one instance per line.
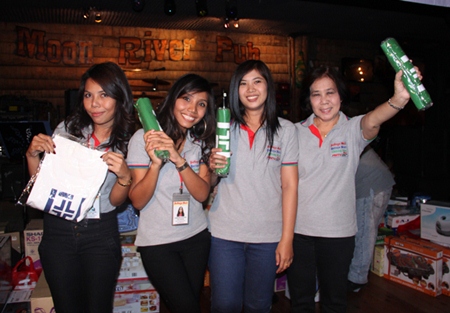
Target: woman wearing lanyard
175	249
81	261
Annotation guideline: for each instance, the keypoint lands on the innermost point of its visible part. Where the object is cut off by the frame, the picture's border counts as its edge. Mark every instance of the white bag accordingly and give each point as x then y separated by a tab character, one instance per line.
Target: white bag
67	183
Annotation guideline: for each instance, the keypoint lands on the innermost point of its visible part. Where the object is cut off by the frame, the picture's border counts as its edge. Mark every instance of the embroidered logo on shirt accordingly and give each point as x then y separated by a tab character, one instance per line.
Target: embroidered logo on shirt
274	153
339	149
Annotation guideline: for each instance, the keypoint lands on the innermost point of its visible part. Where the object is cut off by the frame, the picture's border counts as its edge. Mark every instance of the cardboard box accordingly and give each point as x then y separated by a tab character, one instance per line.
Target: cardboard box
19	301
435	221
378	261
135	296
445	284
5	270
395	221
41	298
16	246
32	236
413	265
132	266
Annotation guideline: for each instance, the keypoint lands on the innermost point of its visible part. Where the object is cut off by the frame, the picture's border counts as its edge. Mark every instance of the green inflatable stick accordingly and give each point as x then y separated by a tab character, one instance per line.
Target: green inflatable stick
148	120
223	136
400	61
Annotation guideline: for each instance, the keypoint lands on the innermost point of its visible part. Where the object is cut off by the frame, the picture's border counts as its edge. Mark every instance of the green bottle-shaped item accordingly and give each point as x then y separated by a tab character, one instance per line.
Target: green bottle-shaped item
223	136
148	120
400	61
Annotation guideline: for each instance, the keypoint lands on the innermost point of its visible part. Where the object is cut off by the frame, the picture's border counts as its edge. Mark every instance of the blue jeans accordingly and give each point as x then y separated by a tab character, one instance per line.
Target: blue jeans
369	212
326	258
81	262
177	270
242	275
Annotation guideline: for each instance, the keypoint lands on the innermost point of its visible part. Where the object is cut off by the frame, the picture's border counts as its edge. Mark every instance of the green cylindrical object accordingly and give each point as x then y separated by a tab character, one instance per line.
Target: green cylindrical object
148	120
400	61
223	138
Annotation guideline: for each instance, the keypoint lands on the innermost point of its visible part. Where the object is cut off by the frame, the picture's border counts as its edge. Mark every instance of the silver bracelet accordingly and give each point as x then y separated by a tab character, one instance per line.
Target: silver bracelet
394	106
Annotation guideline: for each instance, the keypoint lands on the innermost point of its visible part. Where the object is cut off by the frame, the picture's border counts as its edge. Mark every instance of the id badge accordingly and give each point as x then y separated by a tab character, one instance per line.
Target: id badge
180	209
94	212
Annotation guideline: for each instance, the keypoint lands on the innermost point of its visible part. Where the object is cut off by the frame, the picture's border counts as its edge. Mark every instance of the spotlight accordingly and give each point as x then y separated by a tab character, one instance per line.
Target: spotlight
98	17
231	9
138	5
201	7
86	14
226	23
236	22
170	7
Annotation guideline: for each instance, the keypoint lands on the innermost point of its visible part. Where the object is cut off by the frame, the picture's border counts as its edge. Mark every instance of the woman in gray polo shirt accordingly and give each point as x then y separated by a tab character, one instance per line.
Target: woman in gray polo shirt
252	216
175	249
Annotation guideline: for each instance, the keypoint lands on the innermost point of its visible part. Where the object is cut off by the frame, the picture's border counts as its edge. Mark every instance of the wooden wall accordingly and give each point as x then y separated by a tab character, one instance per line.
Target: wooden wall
41	61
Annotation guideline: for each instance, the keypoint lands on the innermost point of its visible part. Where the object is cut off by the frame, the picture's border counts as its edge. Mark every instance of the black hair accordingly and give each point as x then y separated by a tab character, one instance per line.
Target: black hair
115	84
320	72
204	130
237	109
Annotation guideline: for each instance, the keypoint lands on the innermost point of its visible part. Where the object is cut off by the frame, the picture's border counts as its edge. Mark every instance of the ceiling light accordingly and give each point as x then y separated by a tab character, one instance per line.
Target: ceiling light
226	23
201	7
98	17
138	5
86	14
236	22
170	7
231	9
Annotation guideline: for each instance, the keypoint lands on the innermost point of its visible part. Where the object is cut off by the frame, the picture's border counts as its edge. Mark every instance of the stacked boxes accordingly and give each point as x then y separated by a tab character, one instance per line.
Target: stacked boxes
134	292
413	265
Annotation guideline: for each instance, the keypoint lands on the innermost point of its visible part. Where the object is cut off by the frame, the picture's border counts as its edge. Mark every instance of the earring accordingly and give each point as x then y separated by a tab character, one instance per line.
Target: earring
204	127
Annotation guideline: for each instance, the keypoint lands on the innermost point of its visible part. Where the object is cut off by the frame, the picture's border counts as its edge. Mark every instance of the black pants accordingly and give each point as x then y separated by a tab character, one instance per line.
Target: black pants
328	259
177	270
81	262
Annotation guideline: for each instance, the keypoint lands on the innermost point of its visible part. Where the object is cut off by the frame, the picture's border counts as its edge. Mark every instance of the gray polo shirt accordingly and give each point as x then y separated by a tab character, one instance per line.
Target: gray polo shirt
248	206
326	189
155	220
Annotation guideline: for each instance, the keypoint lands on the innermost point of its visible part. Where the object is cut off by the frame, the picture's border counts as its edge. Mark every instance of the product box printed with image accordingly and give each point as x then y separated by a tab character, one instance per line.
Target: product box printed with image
32	236
445	283
135	296
132	266
435	221
413	265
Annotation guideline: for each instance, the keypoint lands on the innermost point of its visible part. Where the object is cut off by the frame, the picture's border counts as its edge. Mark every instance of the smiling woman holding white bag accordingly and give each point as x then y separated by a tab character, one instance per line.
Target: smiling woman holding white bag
81	260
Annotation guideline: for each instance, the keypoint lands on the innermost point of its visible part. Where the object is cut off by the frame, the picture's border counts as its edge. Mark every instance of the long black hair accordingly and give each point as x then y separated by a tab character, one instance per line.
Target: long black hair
115	84
237	109
204	130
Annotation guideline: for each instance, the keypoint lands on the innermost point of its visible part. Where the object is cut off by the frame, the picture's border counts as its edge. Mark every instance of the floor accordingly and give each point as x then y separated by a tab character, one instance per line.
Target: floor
380	295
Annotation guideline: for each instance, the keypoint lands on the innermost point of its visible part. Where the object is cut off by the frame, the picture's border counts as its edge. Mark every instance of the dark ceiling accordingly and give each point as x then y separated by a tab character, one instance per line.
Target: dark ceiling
353	20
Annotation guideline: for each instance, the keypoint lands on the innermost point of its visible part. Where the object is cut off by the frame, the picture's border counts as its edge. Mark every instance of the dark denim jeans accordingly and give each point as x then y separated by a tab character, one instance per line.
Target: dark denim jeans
81	262
329	259
177	270
242	275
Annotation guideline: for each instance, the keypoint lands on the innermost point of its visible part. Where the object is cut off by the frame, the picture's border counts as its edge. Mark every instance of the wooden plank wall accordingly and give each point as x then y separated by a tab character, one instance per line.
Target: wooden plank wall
45	73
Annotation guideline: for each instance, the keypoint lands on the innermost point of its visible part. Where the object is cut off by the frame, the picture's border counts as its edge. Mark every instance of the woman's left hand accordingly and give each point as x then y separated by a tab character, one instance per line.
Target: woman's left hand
284	254
401	94
116	164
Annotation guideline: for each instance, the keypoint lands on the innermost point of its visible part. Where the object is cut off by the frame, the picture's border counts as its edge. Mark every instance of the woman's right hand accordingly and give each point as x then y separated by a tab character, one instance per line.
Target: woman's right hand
148	137
40	143
216	160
